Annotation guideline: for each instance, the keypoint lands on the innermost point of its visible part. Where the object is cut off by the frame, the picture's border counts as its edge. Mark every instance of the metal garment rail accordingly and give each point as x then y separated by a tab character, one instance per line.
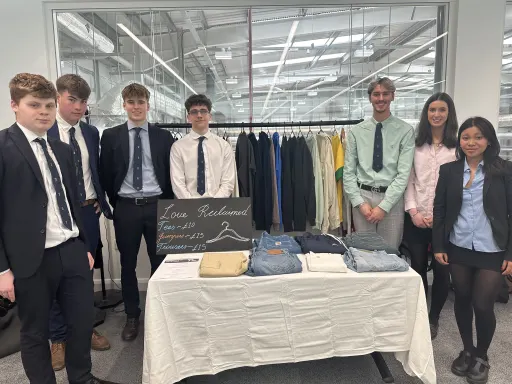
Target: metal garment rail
267	125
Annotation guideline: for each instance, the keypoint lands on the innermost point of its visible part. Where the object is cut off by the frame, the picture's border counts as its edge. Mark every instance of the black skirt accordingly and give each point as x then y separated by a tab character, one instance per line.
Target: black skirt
482	260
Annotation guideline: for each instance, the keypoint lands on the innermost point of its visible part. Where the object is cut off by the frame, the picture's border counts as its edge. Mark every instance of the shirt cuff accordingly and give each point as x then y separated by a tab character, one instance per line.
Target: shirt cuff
357	201
385	206
410	205
4	272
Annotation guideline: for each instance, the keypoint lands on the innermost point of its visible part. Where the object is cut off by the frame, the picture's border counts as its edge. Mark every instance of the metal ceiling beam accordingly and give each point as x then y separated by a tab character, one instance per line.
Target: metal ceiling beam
139	23
408	35
204	21
101	25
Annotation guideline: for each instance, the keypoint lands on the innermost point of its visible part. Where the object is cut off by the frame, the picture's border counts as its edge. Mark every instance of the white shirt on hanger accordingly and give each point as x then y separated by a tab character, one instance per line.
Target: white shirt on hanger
219	160
64	127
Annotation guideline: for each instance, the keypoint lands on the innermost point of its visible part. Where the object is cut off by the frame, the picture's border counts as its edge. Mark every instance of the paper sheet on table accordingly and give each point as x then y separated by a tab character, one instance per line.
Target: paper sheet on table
175	269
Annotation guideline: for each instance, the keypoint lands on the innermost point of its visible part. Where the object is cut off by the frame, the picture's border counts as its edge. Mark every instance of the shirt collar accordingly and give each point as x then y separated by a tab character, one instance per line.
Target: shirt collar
466	165
375	122
194	135
64	125
31	136
132	125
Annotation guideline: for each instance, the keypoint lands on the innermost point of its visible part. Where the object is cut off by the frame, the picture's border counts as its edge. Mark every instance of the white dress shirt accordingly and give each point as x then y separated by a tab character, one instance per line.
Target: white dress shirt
219	160
64	127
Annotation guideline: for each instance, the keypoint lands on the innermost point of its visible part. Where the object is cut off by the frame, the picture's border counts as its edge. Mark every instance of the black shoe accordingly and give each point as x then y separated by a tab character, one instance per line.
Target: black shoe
461	364
131	329
433	330
479	372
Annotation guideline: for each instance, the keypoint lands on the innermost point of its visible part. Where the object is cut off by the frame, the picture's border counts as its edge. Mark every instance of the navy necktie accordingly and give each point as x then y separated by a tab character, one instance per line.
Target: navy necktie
137	160
201	188
57	184
77	154
377	149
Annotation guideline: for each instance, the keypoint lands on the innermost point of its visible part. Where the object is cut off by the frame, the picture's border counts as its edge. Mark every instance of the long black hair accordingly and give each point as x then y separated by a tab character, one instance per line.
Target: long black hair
493	163
424	134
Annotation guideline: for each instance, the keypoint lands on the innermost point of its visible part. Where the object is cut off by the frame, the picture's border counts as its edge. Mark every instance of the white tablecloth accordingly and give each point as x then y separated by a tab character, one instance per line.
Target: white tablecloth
199	326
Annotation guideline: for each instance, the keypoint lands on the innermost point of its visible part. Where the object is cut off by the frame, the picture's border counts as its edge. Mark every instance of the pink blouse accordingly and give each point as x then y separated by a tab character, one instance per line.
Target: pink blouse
421	188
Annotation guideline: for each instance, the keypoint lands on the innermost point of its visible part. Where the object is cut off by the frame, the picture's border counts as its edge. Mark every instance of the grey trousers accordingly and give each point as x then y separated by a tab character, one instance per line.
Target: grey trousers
391	228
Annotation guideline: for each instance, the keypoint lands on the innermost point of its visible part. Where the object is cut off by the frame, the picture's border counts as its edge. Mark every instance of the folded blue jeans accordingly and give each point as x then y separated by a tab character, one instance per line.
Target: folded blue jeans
263	263
360	260
286	242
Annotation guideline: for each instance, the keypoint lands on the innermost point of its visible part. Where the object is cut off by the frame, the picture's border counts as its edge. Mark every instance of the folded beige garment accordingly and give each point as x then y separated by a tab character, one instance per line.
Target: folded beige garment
226	264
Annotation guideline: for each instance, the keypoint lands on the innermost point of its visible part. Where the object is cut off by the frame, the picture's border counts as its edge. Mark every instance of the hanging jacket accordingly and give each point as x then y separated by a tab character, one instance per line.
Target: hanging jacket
245	166
266	180
319	186
275	205
257	209
287	188
277	150
331	210
304	202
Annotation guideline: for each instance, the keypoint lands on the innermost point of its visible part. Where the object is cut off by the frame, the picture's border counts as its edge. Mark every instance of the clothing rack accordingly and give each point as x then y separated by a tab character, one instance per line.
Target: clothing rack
244	125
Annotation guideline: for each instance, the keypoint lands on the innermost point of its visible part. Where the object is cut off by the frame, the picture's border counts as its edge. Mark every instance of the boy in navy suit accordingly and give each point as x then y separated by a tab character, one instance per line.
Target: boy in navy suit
73	93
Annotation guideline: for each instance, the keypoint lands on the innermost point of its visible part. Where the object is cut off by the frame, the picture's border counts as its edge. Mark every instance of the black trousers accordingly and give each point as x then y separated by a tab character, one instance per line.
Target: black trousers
131	221
64	273
418	241
91	221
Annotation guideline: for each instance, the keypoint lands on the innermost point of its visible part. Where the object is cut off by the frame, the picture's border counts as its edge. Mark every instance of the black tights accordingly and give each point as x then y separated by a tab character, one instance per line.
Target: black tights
475	290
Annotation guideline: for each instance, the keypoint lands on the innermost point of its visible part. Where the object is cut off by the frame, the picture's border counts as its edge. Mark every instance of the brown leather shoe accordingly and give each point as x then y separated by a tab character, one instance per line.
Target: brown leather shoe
99	342
131	329
58	356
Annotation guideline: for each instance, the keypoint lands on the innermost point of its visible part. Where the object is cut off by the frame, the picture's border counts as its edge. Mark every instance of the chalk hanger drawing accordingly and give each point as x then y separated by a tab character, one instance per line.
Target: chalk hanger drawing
227	232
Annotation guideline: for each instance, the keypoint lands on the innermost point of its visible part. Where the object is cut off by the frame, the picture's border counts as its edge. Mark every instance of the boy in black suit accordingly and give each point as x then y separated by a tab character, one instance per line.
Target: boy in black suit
72	95
43	251
134	171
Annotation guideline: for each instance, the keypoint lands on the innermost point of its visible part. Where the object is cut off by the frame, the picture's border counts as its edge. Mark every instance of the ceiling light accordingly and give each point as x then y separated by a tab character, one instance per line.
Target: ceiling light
312	93
232	80
293	109
236	95
84	30
224	55
241	110
363	52
154	56
302	102
240	104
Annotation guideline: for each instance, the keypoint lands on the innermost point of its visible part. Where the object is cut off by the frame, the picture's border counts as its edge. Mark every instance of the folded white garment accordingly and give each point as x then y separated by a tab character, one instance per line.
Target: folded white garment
325	262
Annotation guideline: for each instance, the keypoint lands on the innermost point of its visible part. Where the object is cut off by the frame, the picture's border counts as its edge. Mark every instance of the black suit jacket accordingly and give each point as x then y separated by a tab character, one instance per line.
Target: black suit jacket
115	158
448	201
23	201
92	140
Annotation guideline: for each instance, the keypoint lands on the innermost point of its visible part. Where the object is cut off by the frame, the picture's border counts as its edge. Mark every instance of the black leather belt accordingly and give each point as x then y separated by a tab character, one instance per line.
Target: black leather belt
373	189
140	200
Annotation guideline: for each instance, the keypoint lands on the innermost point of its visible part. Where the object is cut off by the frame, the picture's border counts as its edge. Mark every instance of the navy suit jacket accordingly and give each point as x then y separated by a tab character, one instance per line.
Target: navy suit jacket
92	140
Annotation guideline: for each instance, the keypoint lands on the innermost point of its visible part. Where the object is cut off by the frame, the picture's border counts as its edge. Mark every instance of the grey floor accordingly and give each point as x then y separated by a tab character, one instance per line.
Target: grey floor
123	363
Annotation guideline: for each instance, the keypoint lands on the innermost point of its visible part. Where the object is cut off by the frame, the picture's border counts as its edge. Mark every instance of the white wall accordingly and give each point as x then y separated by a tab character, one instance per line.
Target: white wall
474	57
477	60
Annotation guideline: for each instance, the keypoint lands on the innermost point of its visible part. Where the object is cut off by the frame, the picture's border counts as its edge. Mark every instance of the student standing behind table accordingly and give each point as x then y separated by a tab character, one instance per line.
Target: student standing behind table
378	161
43	251
472	233
202	164
72	95
134	168
435	145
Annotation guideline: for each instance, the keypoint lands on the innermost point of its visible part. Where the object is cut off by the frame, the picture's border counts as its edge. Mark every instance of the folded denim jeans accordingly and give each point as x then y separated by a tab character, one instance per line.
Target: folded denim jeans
273	262
286	242
360	260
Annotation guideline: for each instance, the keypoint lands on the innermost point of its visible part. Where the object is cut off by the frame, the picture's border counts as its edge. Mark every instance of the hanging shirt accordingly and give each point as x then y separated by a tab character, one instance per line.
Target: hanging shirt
331	211
219	167
339	161
277	150
319	186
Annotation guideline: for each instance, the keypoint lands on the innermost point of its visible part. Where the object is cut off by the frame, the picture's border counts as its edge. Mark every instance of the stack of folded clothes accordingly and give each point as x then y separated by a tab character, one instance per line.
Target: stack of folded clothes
360	260
285	242
325	262
267	262
226	264
370	241
320	243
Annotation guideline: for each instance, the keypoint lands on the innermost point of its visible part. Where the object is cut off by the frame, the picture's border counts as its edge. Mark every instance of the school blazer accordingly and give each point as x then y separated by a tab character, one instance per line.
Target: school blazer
497	198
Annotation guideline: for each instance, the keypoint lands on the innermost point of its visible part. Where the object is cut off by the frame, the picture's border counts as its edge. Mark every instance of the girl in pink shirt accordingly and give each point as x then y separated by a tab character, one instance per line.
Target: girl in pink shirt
435	145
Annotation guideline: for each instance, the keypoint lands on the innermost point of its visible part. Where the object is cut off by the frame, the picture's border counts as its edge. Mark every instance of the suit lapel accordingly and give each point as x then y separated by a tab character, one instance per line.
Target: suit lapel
125	145
64	169
24	147
153	145
487	183
54	131
88	143
459	181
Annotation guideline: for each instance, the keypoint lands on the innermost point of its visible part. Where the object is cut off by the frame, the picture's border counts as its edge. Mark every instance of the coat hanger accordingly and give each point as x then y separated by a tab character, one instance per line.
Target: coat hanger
309	130
227	232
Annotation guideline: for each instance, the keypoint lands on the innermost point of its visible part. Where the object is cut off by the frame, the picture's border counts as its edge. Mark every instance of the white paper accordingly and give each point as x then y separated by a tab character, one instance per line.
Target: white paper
179	270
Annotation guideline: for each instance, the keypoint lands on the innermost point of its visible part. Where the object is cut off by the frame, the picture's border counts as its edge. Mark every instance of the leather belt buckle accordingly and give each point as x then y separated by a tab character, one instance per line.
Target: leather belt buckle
140	201
376	189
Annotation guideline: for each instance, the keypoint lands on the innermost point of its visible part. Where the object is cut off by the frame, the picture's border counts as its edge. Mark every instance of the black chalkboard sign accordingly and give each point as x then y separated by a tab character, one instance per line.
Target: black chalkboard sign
204	225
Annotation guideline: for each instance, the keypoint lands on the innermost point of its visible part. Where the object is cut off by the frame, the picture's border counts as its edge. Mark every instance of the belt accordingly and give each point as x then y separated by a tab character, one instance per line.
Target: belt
373	189
87	202
140	200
